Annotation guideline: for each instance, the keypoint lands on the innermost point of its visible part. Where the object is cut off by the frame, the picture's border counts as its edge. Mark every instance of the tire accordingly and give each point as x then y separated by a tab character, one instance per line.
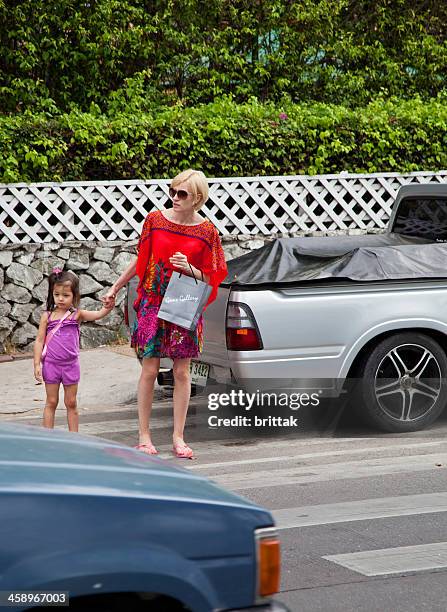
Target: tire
117	602
403	383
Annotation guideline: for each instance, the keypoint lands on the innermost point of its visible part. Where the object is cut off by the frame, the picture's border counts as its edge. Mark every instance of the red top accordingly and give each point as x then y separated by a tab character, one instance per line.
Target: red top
161	238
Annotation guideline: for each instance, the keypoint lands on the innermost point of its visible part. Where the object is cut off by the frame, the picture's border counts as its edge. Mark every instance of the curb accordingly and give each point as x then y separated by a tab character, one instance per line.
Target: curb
4	358
15	357
120	349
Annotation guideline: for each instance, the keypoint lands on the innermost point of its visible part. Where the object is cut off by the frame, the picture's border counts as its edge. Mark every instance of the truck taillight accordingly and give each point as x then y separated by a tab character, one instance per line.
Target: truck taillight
241	329
268	556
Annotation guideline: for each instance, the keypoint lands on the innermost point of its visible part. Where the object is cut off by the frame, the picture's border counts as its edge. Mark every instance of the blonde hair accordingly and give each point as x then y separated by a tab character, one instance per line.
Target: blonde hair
197	183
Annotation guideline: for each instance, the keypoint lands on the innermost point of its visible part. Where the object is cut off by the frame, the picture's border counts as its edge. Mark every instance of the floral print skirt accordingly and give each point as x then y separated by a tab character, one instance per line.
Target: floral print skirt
153	337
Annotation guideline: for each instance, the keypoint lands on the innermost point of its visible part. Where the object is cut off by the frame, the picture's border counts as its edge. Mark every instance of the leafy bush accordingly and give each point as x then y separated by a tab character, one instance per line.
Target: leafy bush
64	54
224	139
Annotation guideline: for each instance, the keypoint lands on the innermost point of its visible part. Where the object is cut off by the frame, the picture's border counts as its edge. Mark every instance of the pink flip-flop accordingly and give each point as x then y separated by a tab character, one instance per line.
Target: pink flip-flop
149	449
183	451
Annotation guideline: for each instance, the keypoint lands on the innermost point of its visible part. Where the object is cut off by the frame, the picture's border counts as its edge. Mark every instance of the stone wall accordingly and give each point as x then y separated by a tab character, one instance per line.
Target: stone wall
24	271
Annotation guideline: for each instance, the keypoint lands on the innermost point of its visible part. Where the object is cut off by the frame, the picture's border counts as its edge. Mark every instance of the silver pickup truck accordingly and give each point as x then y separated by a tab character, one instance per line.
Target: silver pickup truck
366	315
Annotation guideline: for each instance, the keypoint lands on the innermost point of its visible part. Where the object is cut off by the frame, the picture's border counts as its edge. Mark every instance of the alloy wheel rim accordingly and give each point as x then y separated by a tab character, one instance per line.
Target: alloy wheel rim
407	382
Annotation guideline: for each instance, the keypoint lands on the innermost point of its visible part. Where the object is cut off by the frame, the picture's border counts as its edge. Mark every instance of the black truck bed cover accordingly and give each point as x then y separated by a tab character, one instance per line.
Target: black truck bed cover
370	257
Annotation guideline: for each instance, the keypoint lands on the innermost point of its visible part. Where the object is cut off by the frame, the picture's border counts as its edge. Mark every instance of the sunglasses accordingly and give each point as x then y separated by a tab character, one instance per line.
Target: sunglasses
180	193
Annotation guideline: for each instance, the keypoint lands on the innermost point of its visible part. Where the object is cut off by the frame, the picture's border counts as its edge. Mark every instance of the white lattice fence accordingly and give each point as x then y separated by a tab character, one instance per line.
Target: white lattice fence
56	212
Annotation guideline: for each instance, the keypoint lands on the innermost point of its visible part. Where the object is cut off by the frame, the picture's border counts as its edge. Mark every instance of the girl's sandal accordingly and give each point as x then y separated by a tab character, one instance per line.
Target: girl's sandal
148	449
183	451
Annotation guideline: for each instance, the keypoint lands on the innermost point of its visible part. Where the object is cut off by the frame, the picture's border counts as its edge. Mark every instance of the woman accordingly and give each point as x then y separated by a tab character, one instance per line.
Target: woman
175	239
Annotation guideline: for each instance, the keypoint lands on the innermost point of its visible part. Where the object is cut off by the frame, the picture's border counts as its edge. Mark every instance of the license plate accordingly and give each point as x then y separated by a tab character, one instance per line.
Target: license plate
199	373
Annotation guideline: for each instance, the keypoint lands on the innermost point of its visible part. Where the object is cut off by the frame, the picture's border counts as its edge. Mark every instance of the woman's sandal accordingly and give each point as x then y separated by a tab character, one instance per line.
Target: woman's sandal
148	449
182	451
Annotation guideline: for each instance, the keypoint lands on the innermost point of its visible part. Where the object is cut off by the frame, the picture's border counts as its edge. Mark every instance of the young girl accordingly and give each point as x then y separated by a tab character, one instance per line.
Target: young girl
57	344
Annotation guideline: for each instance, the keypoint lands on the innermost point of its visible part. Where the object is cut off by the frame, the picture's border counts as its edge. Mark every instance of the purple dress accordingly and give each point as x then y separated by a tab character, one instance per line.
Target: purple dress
61	363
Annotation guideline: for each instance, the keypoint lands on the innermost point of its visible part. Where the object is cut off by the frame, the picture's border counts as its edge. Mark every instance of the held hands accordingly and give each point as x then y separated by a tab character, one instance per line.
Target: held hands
179	261
109	299
110	305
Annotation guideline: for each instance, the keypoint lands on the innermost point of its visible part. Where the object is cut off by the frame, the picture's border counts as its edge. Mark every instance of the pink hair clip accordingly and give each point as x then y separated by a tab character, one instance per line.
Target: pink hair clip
56	270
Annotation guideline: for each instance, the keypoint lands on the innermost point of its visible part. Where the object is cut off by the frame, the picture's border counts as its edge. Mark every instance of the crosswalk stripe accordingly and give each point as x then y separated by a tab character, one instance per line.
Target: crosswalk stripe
367	509
314	455
397	560
331	471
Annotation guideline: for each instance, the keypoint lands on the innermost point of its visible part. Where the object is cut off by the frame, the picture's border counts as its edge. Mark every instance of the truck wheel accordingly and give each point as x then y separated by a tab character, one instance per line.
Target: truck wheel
403	383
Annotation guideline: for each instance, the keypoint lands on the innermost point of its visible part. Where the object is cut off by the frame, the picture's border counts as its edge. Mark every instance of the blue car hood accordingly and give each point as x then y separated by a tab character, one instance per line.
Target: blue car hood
37	459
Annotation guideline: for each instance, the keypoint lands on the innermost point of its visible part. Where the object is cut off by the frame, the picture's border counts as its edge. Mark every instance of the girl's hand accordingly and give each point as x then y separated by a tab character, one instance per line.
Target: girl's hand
179	261
38	372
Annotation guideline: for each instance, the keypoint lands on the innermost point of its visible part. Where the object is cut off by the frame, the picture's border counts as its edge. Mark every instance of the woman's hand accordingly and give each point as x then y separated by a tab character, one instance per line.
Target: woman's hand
179	261
109	298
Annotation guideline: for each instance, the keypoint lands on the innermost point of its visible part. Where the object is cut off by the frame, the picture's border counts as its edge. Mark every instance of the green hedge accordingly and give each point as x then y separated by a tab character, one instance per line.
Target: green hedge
225	139
69	53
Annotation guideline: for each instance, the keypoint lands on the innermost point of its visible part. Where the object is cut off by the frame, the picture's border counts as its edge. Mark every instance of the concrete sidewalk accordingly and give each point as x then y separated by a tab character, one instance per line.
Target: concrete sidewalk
109	377
107	399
